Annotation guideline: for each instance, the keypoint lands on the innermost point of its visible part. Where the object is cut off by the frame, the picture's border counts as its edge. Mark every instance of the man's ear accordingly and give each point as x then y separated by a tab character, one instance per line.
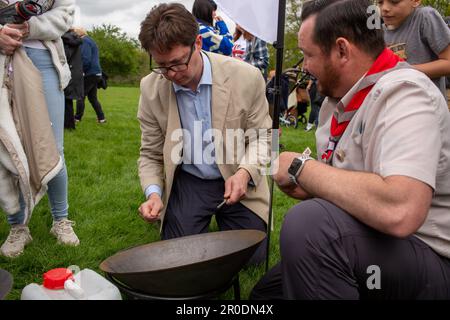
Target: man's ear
343	48
416	3
198	42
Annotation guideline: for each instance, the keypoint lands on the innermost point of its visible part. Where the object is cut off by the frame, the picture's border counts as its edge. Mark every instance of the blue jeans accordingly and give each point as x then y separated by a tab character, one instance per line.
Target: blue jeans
54	96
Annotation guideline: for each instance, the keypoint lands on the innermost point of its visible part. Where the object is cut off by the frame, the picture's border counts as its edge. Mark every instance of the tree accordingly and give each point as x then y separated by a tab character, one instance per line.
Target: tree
443	6
291	52
120	55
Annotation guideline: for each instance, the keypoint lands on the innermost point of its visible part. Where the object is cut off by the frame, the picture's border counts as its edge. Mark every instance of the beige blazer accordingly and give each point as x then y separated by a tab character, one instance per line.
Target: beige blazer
238	101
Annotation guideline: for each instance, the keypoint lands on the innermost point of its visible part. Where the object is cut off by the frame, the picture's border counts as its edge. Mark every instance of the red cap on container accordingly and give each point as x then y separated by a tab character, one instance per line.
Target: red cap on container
55	278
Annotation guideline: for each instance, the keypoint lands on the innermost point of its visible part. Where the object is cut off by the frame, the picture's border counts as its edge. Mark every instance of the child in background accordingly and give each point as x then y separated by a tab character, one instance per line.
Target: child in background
239	44
419	35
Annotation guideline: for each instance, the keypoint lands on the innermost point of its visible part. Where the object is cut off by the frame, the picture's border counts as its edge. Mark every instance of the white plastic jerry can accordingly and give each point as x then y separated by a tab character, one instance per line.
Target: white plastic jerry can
61	284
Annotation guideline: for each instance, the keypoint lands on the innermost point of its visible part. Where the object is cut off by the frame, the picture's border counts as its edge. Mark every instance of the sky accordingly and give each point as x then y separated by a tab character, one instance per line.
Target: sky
127	15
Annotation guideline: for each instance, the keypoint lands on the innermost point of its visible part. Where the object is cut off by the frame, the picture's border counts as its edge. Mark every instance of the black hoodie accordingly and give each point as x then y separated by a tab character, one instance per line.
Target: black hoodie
72	43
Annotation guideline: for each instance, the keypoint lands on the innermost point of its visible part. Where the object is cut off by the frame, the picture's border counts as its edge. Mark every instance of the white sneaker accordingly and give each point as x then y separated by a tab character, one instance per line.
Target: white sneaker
64	233
19	236
309	126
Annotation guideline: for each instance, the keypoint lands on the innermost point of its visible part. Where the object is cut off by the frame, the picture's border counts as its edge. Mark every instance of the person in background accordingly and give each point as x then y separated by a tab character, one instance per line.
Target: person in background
418	35
74	90
315	100
92	76
214	31
239	44
256	52
41	37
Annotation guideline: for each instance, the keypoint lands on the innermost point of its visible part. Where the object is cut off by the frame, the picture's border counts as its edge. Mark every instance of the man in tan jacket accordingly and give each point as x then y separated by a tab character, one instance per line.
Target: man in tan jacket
205	133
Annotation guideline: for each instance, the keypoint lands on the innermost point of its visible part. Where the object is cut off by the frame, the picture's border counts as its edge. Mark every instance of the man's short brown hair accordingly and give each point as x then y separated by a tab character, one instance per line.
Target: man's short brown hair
166	26
347	19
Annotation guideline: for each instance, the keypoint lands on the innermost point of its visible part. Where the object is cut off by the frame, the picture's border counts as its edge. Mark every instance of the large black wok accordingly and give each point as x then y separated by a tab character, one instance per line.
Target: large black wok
6	282
186	266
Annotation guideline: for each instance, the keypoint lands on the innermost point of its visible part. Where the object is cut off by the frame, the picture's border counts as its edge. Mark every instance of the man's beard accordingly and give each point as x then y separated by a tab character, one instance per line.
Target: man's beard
327	84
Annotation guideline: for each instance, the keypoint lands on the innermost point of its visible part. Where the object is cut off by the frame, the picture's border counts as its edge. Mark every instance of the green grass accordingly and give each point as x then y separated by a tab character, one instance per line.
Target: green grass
104	196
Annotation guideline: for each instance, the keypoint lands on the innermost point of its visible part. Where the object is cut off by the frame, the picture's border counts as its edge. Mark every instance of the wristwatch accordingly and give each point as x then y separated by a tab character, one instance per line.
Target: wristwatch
297	166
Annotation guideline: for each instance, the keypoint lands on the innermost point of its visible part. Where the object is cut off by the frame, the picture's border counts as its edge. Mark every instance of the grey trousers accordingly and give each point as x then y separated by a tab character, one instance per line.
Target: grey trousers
192	204
327	254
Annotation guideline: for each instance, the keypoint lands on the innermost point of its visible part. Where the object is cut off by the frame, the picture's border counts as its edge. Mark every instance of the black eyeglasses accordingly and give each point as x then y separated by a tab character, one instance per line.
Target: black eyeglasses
175	67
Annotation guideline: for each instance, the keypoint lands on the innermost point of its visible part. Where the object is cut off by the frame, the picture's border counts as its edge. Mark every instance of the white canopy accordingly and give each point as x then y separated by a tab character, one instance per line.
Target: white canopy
259	17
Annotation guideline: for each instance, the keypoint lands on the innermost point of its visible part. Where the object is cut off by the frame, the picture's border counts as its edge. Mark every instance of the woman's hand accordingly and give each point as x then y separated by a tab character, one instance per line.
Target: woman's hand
10	39
24	28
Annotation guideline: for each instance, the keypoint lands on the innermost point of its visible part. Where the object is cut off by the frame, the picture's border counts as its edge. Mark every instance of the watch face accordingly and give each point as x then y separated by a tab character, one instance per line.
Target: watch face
295	165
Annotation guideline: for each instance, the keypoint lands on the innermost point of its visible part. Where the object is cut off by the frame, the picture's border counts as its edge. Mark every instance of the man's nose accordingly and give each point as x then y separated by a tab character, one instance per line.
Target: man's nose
305	65
170	73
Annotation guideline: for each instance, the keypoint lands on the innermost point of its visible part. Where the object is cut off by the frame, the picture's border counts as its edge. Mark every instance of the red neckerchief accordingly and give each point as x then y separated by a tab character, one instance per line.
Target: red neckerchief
386	61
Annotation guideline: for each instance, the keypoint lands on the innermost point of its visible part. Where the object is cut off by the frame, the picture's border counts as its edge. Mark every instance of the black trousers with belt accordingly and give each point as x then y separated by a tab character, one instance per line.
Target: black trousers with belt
192	204
327	254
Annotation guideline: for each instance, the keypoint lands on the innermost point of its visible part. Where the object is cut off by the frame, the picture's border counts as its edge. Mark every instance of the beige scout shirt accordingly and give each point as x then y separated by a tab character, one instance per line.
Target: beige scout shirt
402	128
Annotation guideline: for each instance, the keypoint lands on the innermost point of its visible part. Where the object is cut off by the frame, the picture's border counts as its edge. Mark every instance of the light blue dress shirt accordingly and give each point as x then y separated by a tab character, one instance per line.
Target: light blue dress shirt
194	108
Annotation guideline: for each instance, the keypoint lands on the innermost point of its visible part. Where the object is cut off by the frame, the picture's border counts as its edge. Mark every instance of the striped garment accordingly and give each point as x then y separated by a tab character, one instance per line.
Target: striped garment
218	39
257	54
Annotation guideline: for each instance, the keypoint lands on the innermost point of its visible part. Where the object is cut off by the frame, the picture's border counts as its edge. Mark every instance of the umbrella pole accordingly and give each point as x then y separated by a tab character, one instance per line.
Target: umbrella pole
279	45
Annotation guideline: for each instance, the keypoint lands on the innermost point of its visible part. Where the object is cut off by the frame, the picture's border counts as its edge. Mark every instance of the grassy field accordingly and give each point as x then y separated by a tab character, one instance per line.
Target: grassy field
104	195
